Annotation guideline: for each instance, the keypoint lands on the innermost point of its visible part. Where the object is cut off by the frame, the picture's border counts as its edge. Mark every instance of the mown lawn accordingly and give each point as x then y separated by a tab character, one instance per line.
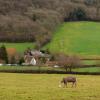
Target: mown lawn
45	87
80	38
20	47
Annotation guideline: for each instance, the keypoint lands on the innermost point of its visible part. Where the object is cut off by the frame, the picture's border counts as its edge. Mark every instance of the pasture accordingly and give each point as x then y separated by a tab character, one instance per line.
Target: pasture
45	87
20	47
80	38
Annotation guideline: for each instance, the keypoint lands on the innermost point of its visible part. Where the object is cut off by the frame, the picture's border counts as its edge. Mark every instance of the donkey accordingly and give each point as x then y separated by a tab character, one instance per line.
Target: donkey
66	80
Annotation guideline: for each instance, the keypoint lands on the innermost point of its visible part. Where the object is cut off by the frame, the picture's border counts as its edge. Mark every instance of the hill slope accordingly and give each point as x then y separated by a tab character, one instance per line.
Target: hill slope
26	20
77	38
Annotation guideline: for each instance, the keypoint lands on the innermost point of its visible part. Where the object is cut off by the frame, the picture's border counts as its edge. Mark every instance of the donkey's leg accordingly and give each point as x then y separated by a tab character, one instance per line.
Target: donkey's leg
66	85
75	84
72	84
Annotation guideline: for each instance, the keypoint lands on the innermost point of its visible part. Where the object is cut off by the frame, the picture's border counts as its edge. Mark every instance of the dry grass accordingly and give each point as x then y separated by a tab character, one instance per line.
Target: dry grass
45	87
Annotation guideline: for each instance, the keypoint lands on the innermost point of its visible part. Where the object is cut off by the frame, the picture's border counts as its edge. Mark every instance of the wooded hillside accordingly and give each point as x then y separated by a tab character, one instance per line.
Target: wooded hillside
29	20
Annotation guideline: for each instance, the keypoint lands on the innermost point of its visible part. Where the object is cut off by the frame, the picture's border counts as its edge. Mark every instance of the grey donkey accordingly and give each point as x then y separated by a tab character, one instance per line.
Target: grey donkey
69	79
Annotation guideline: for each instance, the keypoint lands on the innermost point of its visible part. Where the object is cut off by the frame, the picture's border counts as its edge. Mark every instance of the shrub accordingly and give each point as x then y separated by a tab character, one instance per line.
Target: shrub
90	2
34	17
3	54
77	14
42	39
21	60
13	60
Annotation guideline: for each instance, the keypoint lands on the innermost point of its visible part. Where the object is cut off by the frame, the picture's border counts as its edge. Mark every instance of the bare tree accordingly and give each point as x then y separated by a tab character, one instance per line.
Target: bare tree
68	62
73	62
97	5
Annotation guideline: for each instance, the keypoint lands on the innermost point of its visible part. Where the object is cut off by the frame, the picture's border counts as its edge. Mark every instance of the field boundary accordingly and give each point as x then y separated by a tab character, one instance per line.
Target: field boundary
48	72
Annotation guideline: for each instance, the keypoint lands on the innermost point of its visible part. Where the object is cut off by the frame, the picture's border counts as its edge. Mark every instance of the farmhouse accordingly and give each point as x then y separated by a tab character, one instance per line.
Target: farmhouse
32	57
29	60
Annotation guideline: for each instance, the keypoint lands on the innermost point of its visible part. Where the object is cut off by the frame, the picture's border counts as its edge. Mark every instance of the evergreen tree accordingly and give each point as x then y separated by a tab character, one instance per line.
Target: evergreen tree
3	53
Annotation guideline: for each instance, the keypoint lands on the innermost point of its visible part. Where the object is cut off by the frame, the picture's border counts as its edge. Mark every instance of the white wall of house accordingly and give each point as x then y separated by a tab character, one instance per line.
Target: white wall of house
33	61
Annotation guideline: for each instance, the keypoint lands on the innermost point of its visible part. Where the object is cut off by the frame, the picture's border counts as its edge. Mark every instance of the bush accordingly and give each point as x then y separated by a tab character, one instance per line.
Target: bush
42	39
90	2
13	60
21	60
77	14
3	54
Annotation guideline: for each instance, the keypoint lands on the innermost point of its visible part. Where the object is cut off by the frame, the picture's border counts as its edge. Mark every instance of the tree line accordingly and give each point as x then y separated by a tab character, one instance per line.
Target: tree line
28	20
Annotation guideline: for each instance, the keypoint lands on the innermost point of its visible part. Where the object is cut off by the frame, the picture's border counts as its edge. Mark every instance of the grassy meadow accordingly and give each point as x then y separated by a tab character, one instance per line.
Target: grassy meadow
45	87
81	38
20	47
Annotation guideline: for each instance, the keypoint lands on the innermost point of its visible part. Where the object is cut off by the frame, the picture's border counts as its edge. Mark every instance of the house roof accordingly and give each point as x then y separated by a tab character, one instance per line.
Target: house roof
39	54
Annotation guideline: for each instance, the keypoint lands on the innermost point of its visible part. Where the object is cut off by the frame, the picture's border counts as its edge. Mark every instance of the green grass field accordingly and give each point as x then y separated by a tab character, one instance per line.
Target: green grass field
45	87
36	68
27	68
90	69
80	38
20	47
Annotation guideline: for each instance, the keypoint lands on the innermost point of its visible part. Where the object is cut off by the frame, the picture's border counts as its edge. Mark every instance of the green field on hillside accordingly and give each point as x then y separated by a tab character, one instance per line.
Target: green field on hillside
20	47
81	38
45	87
